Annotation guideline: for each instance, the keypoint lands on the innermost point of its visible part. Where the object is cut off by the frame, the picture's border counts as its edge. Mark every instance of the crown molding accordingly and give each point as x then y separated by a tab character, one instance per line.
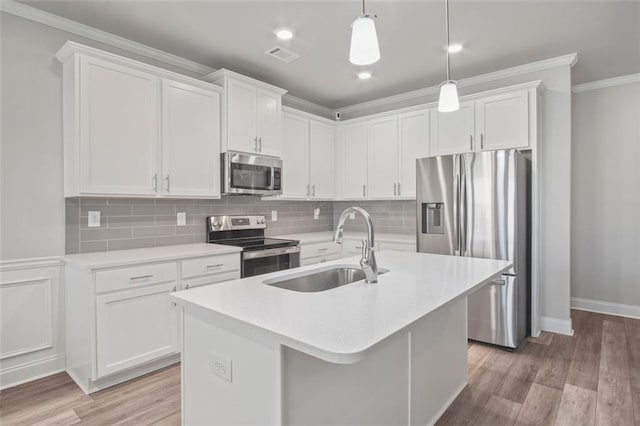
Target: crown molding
607	82
570	59
306	106
31	13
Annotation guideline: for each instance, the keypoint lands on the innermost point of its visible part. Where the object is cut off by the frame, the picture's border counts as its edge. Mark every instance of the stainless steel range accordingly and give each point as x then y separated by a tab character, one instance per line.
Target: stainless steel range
260	254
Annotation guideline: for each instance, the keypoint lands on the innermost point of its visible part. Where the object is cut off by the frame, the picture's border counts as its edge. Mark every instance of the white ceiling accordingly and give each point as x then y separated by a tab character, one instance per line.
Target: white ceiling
496	35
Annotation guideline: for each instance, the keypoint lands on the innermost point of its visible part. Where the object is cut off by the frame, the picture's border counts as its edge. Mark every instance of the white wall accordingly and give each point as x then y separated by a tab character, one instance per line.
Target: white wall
31	192
605	257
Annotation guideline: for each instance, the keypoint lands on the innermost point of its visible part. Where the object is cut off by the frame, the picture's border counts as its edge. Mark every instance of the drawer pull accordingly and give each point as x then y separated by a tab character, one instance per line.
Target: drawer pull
141	277
323	249
359	247
214	266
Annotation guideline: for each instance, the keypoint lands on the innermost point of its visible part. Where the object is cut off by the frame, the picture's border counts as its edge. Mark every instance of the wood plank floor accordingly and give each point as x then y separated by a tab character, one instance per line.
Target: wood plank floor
591	378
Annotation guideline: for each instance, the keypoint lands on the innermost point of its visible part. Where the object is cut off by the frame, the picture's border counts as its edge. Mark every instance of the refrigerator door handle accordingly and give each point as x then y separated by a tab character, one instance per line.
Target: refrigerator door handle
456	204
463	206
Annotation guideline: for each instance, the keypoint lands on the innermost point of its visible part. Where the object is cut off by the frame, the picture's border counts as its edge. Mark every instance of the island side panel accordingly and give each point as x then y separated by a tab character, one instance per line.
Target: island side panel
372	391
438	361
253	394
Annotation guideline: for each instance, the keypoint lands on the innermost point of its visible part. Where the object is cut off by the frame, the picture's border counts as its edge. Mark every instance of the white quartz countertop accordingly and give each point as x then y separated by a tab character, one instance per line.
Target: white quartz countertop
117	258
322	237
342	324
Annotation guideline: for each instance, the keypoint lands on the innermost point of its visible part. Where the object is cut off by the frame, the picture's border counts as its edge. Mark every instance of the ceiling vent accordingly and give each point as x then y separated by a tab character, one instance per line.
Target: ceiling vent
282	54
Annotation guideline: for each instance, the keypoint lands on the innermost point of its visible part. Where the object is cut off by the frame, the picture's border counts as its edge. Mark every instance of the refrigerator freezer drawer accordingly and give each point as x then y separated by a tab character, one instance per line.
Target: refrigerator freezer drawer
494	313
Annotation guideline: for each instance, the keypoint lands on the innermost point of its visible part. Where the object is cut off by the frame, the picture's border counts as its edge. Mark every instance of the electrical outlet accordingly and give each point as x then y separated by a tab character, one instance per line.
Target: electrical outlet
182	218
316	213
274	215
221	367
352	216
94	219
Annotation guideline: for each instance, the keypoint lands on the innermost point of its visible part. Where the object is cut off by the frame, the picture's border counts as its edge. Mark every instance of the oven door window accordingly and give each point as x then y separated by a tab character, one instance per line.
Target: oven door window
250	176
264	265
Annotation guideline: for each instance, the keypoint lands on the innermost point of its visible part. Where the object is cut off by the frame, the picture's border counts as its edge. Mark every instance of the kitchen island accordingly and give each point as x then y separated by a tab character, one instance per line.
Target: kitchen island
387	353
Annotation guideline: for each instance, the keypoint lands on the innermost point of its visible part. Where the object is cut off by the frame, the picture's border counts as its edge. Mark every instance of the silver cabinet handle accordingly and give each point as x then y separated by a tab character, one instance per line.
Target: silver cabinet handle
141	277
174	289
308	190
471	142
481	140
155	182
322	249
364	190
260	144
255	146
186	286
399	192
168	180
395	189
218	265
358	247
313	191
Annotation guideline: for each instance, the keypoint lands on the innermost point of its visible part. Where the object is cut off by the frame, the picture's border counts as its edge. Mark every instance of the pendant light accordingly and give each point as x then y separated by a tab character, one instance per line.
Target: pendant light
448	100
364	40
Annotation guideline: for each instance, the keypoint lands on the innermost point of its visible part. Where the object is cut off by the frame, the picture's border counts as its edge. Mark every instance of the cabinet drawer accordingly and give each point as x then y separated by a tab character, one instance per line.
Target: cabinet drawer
319	259
397	246
210	265
319	249
211	279
123	278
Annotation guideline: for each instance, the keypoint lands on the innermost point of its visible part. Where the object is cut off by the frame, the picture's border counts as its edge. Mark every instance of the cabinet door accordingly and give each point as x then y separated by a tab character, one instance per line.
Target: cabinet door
242	134
119	129
295	156
503	121
353	142
452	132
135	326
269	125
413	140
191	141
383	157
321	165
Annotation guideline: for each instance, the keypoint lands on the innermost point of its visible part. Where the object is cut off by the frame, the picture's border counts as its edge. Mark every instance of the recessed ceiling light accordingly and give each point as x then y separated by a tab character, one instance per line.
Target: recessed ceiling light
455	48
364	75
284	34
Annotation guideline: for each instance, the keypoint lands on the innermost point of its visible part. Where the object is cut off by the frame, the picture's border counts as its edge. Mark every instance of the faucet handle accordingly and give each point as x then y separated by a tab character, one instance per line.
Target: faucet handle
365	249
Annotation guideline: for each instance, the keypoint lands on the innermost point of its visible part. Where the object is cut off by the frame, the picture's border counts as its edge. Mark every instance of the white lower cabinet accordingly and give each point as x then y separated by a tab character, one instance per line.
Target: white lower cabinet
311	254
120	321
135	326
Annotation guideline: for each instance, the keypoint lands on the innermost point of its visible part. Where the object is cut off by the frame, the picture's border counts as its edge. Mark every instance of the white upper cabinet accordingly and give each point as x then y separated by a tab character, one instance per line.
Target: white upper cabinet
191	140
383	157
252	114
453	132
503	121
353	141
308	157
413	143
131	129
321	153
119	134
295	156
241	117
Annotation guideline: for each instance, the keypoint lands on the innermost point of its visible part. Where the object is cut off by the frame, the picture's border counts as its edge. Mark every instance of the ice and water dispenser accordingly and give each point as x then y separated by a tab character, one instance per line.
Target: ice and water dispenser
433	218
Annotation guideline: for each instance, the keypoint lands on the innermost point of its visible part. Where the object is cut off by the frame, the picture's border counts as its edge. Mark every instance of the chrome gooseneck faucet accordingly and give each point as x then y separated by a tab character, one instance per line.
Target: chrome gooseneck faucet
368	261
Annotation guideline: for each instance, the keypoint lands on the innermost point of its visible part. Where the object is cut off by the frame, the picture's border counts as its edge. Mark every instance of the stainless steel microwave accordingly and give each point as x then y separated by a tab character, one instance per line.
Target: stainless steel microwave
250	174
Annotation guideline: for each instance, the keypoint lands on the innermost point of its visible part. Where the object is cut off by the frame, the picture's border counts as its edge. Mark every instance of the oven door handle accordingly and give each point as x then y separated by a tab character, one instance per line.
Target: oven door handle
258	254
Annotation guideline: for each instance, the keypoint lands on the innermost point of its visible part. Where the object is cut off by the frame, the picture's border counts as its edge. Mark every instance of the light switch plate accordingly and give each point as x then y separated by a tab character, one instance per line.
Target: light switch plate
182	218
94	219
221	367
316	213
274	215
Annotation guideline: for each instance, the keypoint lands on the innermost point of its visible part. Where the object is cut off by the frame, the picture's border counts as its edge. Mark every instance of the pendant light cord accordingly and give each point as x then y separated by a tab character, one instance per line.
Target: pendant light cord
363	12
446	23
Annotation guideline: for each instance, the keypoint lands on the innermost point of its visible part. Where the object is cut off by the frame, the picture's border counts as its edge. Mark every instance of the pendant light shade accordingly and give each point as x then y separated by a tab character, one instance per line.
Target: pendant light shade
364	42
448	100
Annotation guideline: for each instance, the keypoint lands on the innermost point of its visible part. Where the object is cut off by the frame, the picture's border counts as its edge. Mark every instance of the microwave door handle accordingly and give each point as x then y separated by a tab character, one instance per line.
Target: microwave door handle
273	178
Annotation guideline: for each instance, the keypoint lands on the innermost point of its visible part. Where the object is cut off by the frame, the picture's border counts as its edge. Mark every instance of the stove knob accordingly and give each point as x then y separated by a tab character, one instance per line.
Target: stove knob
217	224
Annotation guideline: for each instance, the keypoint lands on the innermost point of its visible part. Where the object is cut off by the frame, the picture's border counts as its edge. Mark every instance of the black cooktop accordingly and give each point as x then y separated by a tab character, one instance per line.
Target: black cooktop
248	244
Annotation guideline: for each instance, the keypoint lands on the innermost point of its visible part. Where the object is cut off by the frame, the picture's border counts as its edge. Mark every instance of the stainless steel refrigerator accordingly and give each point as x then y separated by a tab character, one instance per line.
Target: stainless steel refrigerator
478	205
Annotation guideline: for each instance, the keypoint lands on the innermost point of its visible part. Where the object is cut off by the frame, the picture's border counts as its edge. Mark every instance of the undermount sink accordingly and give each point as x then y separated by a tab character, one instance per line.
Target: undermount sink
320	279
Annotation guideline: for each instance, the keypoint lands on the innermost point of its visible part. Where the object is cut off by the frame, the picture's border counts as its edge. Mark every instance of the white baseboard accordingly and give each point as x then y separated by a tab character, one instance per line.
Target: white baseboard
29	371
619	309
556	325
